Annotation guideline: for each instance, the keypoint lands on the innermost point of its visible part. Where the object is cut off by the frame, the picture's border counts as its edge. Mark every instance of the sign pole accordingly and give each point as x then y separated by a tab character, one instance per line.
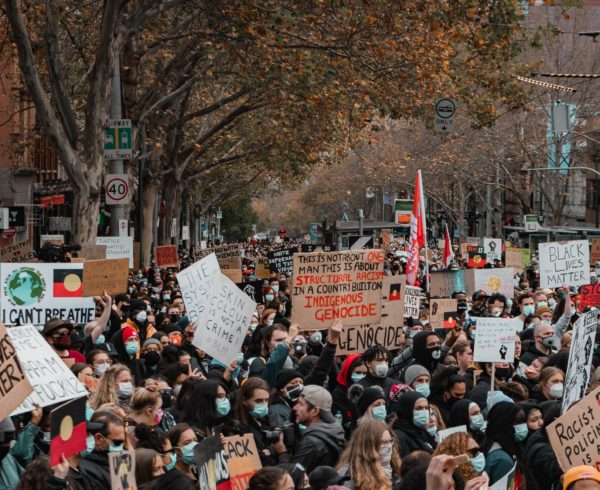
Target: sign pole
493	380
117	211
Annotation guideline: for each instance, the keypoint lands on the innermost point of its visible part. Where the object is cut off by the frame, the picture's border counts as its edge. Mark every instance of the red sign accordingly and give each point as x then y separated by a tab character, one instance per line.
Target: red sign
476	259
9	232
590	296
166	256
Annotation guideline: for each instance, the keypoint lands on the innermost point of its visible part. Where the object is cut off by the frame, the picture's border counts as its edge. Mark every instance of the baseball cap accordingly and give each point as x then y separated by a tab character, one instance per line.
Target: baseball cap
321	398
580	473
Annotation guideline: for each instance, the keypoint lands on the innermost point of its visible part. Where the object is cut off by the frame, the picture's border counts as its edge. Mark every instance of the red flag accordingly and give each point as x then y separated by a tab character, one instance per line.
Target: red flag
448	254
417	232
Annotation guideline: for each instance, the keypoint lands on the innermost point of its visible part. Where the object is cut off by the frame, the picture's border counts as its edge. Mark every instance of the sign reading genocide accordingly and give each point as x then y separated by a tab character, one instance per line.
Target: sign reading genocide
117	247
412	299
105	275
345	285
228	256
564	262
574	436
15	386
21	252
577	377
282	261
52	381
35	293
495	340
225	320
213	472
166	256
243	460
196	282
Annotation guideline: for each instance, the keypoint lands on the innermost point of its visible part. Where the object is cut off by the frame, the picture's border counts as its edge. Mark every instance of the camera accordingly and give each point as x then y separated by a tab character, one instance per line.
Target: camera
271	434
57	253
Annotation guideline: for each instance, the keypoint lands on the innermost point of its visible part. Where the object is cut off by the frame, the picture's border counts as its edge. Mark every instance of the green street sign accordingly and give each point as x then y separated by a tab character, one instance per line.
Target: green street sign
118	140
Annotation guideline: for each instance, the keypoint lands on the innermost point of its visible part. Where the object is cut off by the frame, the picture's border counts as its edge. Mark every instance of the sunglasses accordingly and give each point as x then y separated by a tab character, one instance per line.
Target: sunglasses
474	451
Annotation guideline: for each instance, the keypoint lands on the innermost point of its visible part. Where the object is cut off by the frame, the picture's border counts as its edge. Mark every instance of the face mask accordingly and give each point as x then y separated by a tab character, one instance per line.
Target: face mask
432	431
552	303
141	317
420	418
253	326
269	297
294	392
412	334
542	304
131	348
528	310
478	463
46	437
125	389
521	431
302	427
100	340
63	342
379	413
101	368
473	334
89	411
356	377
316	338
548	341
173	462
435	353
151	358
503	373
175	318
533	325
423	389
461	307
260	410
381	370
275	288
269	323
385	455
223	407
477	422
187	453
90	444
556	390
115	448
176	390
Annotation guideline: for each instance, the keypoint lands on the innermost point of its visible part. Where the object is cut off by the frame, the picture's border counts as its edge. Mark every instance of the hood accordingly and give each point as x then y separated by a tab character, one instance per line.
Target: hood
117	341
349	363
333	432
406	404
459	413
420	353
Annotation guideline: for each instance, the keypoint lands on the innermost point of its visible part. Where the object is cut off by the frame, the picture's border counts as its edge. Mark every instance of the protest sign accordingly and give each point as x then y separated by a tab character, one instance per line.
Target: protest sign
468	247
122	470
359	338
108	275
67	430
166	256
90	382
196	282
574	436
243	460
253	289
92	252
211	463
476	259
117	247
234	275
35	293
595	252
52	381
442	313
495	340
580	359
514	259
316	247
225	321
564	262
261	268
52	239
282	261
345	285
21	252
492	281
228	256
392	300
492	247
412	298
590	296
443	284
15	386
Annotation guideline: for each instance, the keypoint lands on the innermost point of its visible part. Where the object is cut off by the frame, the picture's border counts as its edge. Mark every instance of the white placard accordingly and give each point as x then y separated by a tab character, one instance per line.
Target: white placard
185	232
412	298
495	340
493	249
52	380
196	282
34	293
225	321
564	262
492	281
117	247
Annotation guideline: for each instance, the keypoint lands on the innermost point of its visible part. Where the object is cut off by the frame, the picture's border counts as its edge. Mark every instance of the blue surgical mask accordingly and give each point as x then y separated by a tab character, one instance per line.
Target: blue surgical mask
432	431
521	431
187	453
269	297
477	422
302	427
356	377
260	410
275	288
115	448
173	462
223	407
423	389
478	463
542	304
89	411
90	444
132	348
420	418
379	413
100	340
528	310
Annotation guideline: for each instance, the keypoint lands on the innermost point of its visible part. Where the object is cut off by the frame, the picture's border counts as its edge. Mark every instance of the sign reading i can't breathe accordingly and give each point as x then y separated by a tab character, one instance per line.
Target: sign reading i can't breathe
564	262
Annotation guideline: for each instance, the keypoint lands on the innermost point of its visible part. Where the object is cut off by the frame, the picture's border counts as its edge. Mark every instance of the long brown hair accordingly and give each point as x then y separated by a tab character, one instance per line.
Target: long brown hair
245	393
455	445
107	388
362	456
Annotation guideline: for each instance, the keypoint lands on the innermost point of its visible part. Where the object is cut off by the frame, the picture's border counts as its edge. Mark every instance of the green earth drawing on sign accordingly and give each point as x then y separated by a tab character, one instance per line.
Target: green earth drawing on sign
25	287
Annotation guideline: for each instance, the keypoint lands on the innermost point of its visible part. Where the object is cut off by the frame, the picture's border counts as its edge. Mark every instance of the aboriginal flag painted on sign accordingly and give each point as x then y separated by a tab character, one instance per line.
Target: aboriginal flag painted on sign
68	283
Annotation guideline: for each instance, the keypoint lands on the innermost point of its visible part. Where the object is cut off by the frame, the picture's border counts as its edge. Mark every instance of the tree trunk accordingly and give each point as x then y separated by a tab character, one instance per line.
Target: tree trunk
86	201
149	195
172	192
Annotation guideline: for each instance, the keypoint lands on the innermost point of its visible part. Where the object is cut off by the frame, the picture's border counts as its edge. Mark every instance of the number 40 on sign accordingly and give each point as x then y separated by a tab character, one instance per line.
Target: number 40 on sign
116	189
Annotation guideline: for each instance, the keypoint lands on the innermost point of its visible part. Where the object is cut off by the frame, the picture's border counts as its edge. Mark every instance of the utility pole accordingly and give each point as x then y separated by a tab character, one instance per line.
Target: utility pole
361	217
117	211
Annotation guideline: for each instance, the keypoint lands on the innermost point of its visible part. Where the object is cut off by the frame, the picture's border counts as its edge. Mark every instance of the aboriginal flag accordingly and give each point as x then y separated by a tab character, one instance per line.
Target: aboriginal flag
394	294
476	259
450	319
68	283
67	430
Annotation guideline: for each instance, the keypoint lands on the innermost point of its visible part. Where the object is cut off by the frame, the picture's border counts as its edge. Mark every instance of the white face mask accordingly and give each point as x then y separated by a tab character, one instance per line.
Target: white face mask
556	390
101	368
141	317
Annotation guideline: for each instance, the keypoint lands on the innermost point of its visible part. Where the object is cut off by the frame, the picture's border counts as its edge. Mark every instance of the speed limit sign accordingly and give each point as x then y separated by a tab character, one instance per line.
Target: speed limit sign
116	189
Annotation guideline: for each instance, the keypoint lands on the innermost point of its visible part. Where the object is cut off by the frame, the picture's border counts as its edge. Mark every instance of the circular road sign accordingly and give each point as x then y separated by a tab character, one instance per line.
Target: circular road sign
117	189
445	108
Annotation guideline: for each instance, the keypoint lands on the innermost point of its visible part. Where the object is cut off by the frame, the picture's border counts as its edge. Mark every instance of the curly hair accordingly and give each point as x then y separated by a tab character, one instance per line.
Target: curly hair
455	445
35	475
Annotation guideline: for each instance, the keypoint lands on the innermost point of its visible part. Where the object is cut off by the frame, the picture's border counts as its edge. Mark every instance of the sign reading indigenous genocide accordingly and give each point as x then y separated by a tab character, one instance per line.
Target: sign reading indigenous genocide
34	293
243	460
412	299
225	321
52	381
122	470
443	284
495	340
590	296
228	256
166	256
580	359
564	262
21	252
117	247
345	285
575	436
196	282
282	261
105	275
14	385
213	472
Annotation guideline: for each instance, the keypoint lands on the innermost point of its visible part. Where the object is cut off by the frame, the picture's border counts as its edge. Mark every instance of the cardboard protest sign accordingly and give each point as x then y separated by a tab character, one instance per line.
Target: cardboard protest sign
476	259
345	285
492	248
196	282
282	261
253	289
443	284
316	247
228	256
90	382
213	472
15	386
166	256
412	298
52	381
442	313
261	268
595	252
492	281
122	470
234	275
574	436
243	460
514	259
35	293
108	275
225	320
590	296
359	338
495	340
67	430
21	252
92	252
392	300
564	262
117	247
577	377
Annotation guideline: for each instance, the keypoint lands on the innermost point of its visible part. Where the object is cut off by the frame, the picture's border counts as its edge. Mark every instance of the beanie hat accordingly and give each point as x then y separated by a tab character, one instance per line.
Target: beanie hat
413	372
369	395
150	342
285	376
127	332
543	309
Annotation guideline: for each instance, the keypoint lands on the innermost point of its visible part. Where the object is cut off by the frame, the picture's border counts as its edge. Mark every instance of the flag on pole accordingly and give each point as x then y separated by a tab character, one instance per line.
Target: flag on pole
448	253
417	232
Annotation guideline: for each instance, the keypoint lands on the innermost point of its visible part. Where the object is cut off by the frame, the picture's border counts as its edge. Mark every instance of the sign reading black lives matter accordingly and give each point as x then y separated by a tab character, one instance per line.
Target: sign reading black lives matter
282	261
564	262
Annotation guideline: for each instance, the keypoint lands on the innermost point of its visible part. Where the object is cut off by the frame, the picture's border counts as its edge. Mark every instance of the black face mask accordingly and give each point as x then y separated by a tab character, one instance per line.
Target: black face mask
294	392
462	307
175	318
503	373
167	398
435	353
152	358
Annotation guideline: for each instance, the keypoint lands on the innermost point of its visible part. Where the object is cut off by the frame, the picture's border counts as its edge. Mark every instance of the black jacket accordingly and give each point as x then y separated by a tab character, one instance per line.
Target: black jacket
542	462
410	437
531	353
76	480
172	480
321	445
96	466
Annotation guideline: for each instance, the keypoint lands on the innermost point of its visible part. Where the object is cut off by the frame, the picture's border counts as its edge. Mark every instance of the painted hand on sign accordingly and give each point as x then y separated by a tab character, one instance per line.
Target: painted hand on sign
503	351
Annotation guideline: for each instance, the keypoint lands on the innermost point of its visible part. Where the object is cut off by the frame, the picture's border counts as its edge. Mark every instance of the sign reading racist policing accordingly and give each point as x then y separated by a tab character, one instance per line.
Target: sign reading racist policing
337	285
34	293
